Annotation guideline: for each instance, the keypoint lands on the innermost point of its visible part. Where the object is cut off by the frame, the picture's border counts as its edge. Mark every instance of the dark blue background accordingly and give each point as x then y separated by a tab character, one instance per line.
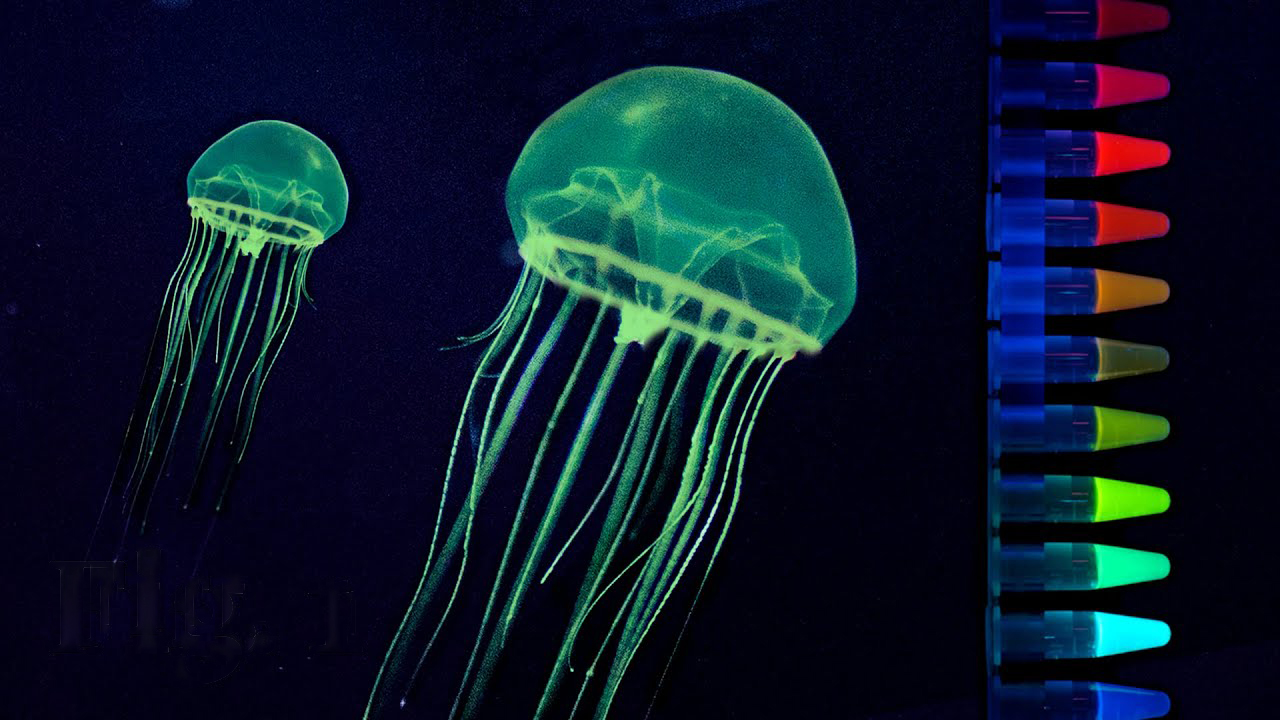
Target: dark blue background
851	585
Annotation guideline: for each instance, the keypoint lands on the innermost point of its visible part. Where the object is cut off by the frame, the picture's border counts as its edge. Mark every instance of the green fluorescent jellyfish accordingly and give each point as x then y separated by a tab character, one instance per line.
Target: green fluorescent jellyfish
704	212
262	199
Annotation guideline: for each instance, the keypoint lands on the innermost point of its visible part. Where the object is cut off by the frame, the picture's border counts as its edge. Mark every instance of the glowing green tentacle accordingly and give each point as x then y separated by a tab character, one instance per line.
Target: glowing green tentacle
642	419
673	442
179	329
486	434
203	279
672	413
517	309
693	463
710	463
213	299
653	588
490	454
194	240
268	336
558	496
225	270
524	498
226	371
293	298
621	507
274	337
750	412
465	340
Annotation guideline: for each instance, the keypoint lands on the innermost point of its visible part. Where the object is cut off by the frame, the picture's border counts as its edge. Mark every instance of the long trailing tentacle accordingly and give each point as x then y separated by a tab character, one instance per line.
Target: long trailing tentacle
213	298
492	445
672	436
635	442
670	417
178	280
195	282
534	470
516	308
280	290
711	462
613	627
200	283
746	419
271	352
639	418
514	314
273	342
494	326
750	412
194	239
213	312
490	460
624	499
702	460
641	421
641	586
559	495
685	492
226	370
487	429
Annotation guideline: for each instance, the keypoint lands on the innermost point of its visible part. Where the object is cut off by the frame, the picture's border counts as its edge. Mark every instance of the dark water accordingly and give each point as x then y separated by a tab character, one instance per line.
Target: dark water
851	585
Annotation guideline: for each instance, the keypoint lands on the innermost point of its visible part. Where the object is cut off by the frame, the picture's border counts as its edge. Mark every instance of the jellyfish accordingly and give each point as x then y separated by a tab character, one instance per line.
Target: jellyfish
262	199
696	217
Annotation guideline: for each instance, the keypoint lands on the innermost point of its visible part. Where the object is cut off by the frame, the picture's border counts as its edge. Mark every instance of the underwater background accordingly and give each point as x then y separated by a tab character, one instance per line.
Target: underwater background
851	585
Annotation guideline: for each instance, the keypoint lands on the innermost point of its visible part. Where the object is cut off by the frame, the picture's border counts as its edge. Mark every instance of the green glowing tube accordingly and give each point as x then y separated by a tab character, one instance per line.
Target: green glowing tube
1076	428
1076	499
1115	500
1077	566
1120	428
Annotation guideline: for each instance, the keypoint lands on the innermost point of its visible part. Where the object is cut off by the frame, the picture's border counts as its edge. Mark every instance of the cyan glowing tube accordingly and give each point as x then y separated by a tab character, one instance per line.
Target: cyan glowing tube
1076	499
1069	634
1073	700
1054	566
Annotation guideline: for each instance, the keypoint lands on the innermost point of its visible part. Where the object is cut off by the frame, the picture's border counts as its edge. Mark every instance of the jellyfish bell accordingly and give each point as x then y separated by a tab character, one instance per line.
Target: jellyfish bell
703	211
693	200
269	181
262	198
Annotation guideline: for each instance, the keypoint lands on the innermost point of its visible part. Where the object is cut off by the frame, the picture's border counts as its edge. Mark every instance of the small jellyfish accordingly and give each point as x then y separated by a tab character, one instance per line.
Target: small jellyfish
262	198
698	215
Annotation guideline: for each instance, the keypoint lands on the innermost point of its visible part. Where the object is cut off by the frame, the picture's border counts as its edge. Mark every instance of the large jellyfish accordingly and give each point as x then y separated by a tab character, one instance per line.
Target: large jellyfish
696	216
262	198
